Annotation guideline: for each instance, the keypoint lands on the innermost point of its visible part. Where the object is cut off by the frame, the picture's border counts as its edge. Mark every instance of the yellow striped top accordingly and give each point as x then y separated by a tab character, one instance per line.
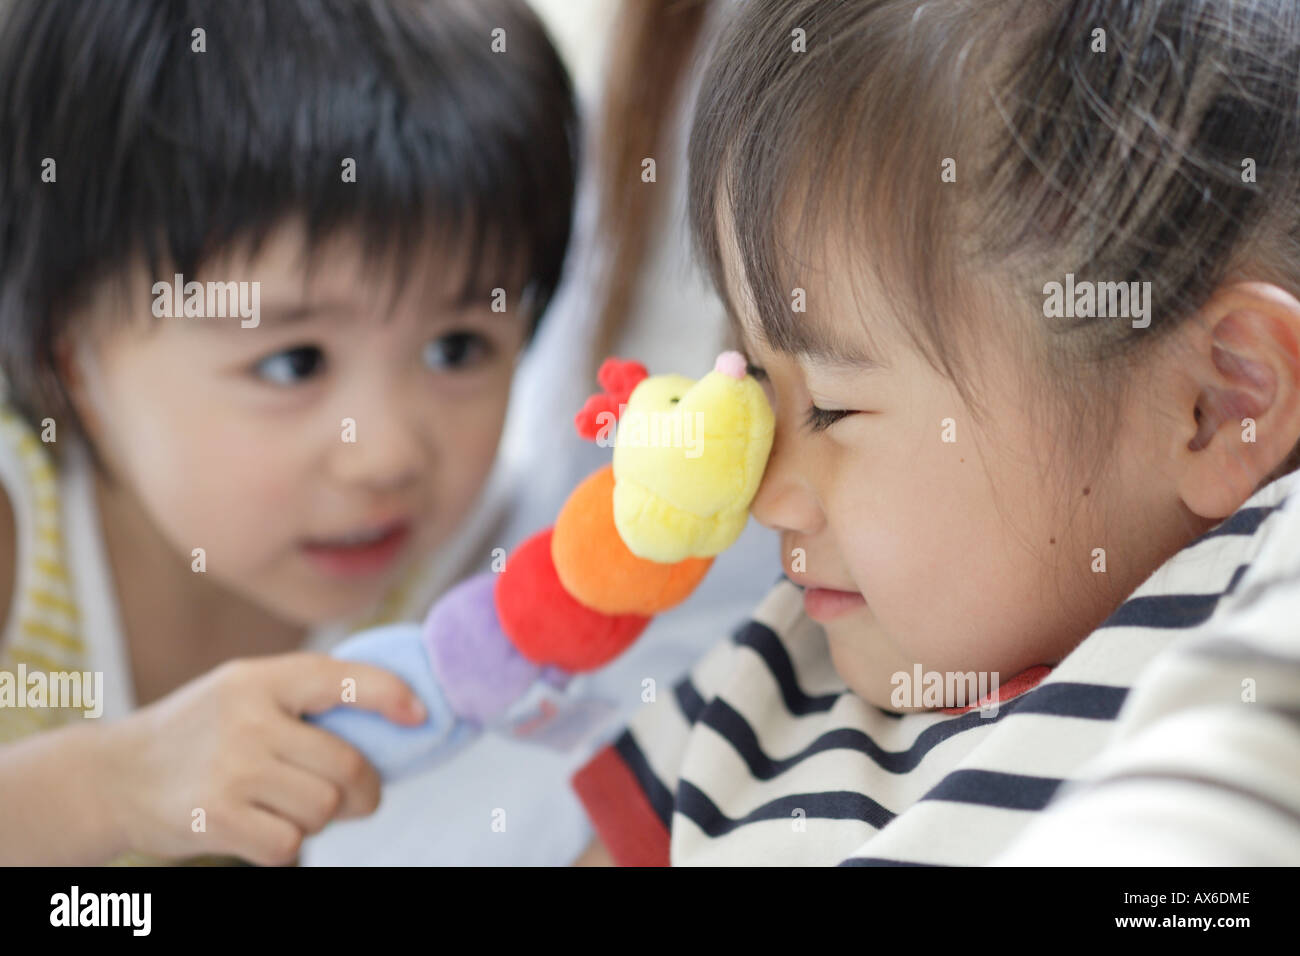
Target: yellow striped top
44	633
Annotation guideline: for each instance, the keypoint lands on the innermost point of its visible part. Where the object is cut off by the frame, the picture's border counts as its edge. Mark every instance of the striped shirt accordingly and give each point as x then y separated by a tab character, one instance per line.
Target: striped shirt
44	627
1204	766
761	755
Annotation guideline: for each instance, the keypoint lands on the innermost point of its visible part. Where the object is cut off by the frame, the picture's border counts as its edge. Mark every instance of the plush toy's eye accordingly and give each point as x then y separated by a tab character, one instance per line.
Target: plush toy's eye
674	400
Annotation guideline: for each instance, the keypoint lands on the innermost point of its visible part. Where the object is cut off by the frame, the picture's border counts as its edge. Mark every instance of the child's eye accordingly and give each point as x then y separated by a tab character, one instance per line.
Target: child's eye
820	419
754	370
290	366
456	350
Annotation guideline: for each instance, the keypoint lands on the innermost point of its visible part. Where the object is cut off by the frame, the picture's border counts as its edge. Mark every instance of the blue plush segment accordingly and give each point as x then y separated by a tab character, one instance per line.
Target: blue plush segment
394	750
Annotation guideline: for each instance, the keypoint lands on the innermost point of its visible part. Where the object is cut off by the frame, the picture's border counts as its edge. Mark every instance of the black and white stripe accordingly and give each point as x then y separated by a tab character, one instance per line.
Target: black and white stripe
761	755
1204	767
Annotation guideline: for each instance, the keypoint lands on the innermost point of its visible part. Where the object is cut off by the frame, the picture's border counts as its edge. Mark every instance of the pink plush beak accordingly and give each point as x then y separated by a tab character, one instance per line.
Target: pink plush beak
731	364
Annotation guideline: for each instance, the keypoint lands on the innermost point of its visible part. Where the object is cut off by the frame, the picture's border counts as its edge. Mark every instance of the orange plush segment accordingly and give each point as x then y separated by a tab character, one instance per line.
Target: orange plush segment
597	568
544	622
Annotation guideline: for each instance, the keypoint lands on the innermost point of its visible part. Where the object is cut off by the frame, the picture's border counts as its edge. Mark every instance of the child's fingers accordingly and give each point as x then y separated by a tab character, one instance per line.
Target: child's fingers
264	838
306	800
328	756
313	683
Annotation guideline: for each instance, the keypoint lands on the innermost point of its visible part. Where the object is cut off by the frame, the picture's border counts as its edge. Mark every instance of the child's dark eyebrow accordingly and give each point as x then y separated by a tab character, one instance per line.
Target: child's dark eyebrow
282	315
291	314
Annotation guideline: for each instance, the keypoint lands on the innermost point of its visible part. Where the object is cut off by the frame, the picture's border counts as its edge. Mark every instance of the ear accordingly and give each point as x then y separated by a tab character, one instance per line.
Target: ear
68	363
1239	396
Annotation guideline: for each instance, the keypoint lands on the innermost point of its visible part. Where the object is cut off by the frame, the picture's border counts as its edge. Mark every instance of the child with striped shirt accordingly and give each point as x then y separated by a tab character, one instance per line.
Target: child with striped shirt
975	479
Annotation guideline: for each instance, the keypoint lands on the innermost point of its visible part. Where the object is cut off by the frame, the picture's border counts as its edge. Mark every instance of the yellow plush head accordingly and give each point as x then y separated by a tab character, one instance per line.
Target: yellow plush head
688	457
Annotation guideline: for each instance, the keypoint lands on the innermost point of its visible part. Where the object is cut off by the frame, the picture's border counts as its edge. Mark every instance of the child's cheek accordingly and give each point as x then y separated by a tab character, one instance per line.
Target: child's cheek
234	487
468	439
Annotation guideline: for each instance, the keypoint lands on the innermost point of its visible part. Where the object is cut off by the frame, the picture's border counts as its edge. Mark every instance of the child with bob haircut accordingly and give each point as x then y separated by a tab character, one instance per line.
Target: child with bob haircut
996	507
265	271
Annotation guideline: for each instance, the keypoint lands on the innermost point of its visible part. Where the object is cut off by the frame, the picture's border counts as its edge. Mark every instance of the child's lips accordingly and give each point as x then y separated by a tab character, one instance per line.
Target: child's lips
361	553
826	604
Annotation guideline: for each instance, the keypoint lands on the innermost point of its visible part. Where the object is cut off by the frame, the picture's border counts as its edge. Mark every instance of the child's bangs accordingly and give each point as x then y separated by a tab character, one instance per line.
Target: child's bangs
409	132
805	233
395	122
810	163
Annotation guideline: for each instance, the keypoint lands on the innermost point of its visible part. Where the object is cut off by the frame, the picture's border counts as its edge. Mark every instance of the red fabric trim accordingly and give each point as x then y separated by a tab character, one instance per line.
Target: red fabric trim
1025	680
620	811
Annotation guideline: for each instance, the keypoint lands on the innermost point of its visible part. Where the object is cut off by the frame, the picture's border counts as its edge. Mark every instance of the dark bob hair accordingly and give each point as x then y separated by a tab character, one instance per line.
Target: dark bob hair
173	154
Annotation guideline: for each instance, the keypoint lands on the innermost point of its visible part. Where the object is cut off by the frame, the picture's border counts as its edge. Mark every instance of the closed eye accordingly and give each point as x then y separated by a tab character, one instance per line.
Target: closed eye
820	419
817	419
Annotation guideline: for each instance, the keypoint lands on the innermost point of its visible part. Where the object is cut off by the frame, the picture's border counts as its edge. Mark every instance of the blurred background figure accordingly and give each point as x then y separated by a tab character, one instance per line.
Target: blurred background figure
631	289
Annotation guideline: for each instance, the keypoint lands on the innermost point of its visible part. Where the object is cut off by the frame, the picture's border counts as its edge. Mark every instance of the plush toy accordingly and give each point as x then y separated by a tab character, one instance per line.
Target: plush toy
634	539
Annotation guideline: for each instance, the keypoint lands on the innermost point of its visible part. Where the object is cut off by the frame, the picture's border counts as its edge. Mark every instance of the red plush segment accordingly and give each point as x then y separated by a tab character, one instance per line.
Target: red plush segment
618	377
546	624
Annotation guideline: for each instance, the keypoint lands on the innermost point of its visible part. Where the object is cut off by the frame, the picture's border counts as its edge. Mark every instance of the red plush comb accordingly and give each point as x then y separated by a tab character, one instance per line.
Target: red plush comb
589	420
618	377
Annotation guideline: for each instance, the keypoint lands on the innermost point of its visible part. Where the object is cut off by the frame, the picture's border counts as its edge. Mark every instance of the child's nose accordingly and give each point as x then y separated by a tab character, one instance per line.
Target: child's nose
379	449
784	501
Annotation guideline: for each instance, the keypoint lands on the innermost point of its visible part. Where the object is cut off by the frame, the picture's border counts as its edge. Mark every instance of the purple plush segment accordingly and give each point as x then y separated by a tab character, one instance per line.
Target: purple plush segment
396	750
480	671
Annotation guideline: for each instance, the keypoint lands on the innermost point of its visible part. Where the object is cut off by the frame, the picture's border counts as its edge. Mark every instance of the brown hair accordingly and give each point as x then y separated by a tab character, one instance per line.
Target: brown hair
654	45
1121	165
